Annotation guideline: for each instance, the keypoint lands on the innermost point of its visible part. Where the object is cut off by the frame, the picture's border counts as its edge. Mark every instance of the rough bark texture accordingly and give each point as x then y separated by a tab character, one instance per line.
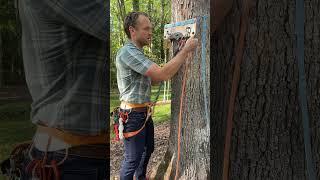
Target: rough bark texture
267	139
1	57
195	151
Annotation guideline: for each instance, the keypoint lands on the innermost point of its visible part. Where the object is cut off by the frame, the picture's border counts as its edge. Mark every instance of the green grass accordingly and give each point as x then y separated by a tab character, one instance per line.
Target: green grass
15	127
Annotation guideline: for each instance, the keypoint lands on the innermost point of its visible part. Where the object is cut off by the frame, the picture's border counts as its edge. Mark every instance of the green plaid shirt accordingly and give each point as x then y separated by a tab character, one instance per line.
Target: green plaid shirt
131	65
65	49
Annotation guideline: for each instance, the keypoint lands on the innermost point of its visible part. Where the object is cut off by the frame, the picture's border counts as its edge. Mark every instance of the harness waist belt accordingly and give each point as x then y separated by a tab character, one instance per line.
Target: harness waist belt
126	105
74	139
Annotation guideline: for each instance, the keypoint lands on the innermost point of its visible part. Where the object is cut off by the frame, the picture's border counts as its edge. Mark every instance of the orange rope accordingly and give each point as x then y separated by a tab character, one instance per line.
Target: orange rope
42	171
180	119
234	87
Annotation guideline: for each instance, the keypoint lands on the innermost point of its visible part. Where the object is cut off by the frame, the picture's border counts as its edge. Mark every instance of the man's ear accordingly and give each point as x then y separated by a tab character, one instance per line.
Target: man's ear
131	29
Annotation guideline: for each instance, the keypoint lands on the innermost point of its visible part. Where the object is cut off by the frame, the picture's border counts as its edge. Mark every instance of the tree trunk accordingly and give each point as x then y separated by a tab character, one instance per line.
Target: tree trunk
162	26
122	15
122	9
194	153
267	139
1	56
150	7
135	5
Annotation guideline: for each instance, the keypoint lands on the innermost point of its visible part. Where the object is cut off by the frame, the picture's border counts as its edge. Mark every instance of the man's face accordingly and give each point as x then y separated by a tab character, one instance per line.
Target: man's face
142	33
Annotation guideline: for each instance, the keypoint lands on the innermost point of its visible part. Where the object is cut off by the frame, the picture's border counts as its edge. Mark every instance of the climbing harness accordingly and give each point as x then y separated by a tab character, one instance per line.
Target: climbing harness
120	117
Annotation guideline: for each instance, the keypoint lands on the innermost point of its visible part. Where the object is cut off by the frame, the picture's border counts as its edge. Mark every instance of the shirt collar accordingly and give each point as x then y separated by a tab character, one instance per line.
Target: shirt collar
129	42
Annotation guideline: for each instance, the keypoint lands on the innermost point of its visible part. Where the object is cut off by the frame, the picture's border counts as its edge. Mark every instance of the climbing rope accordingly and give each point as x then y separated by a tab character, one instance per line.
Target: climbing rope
303	88
234	87
39	167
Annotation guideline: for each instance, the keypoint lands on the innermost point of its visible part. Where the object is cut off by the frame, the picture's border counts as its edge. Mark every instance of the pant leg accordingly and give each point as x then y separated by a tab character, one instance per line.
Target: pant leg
148	150
133	146
74	167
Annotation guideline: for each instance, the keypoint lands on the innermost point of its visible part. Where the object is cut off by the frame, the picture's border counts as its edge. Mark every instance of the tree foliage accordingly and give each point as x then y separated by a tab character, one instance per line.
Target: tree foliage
11	65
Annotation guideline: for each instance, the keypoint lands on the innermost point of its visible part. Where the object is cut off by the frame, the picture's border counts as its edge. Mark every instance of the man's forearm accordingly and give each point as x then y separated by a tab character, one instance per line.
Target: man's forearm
171	68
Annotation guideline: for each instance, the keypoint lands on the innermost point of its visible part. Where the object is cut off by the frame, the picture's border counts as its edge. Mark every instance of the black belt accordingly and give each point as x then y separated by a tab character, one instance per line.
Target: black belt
96	151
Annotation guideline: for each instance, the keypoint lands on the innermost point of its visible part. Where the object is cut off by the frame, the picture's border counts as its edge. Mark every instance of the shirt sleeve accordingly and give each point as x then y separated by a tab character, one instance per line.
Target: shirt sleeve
90	16
136	60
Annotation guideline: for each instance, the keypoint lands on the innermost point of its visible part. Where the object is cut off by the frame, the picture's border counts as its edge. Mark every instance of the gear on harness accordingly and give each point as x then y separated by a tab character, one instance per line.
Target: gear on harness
120	118
13	166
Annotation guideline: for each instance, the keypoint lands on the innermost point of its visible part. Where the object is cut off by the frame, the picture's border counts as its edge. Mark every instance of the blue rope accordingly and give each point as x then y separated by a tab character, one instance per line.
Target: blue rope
203	65
158	93
302	88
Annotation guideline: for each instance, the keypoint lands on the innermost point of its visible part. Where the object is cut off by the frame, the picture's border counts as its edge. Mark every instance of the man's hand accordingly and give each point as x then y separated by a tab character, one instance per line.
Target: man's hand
191	44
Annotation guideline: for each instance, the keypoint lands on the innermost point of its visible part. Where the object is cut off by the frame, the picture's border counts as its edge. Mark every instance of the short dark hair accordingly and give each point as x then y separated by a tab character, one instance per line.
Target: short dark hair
131	20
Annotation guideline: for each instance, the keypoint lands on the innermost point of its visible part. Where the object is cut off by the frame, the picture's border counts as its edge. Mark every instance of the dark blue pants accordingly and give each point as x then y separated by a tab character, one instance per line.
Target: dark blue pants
137	149
74	167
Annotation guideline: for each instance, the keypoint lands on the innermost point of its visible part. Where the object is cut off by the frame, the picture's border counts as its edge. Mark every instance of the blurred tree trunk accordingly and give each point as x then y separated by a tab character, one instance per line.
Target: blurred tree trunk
150	7
1	61
122	9
121	16
267	139
162	27
135	5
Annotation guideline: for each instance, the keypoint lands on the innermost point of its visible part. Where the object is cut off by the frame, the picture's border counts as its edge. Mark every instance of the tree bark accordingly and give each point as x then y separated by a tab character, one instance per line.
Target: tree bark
150	7
1	61
162	27
122	9
267	139
194	153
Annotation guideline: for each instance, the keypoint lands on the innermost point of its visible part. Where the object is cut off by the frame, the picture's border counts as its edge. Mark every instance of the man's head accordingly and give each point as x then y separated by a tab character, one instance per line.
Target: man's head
138	28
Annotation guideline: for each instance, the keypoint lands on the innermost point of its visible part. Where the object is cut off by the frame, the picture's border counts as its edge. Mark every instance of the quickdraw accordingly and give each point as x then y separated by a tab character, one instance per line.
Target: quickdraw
119	118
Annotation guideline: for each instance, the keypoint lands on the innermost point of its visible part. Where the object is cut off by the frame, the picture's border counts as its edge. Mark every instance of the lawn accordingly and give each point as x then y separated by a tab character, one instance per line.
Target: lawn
15	126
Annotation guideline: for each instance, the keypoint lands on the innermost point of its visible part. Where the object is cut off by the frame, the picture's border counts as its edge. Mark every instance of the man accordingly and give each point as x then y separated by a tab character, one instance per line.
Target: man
65	50
135	74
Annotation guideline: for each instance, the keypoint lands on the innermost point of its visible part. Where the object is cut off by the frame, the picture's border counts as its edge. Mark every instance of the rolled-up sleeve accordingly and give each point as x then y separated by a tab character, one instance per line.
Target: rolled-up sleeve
136	60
